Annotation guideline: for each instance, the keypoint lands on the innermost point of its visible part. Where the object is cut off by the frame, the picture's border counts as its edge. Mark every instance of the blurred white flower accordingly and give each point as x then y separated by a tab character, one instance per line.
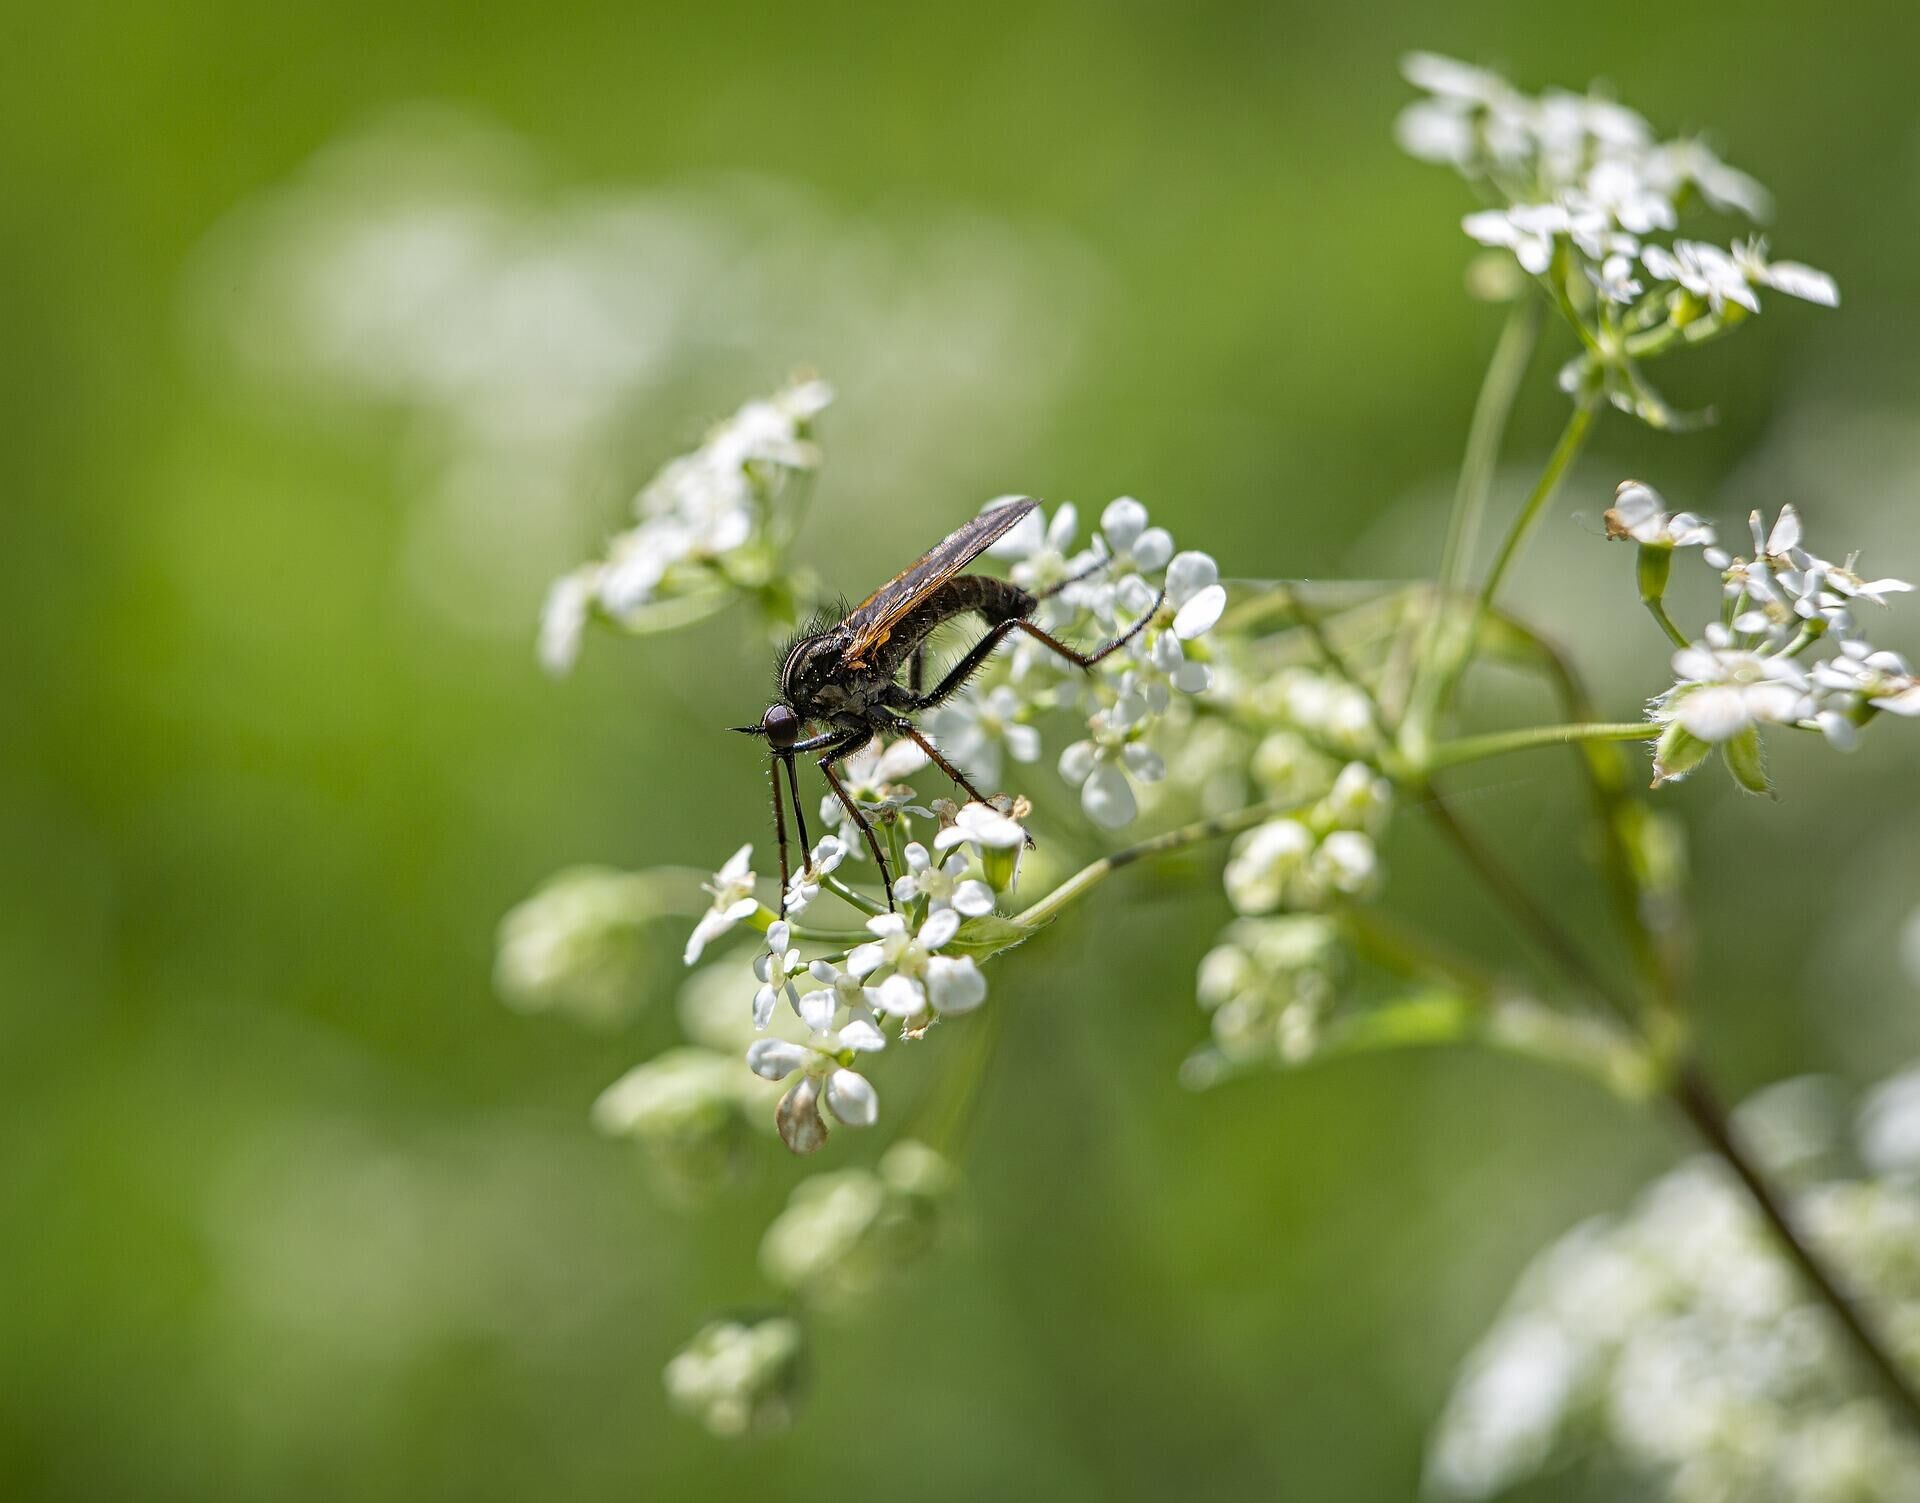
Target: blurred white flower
846	1235
1264	863
972	727
577	945
1132	545
733	900
1100	767
737	1377
1723	690
1675	1345
1639	513
1674	166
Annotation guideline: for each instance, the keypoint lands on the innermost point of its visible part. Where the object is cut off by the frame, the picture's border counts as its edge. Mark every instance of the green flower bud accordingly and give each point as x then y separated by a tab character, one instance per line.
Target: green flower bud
1677	753
1746	764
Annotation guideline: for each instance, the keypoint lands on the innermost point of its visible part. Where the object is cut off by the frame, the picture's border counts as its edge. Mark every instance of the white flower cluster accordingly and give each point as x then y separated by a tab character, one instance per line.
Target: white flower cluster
1311	859
739	1377
1759	665
1269	984
577	945
1585	182
1100	591
708	523
846	1235
1676	1343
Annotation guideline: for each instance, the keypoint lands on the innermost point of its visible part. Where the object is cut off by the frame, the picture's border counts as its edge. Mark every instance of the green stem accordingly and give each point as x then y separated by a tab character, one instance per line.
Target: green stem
1088	877
1659	613
869	906
1492	410
1572	439
1498	743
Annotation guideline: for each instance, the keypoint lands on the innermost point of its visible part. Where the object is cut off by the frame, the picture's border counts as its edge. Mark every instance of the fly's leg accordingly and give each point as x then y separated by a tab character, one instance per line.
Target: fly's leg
858	815
779	832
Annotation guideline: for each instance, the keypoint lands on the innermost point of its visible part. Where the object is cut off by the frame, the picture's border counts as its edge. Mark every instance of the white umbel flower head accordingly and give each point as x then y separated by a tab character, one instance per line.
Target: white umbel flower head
824	1065
1722	689
945	885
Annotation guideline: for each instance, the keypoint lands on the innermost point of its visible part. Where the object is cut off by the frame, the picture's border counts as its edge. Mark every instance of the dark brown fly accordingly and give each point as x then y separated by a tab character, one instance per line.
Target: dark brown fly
844	676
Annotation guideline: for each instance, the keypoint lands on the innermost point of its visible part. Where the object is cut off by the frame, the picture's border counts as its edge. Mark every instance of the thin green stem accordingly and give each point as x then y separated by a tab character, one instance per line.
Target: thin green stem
1658	611
1492	410
1499	743
872	907
1573	438
1499	389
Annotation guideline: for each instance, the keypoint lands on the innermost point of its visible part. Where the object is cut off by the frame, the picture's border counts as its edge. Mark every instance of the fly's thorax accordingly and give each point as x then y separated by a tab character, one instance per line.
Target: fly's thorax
811	665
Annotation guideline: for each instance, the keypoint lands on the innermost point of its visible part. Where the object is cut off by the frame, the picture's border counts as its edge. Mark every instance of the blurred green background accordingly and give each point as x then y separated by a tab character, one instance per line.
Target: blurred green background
296	1208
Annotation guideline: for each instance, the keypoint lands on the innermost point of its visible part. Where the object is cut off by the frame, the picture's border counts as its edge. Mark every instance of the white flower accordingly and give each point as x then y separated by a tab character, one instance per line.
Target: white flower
1359	799
1674	165
983	827
1264	862
1195	593
838	989
1528	230
1791	277
972	728
578	944
1131	543
1613	278
1043	550
1861	676
1099	767
944	886
1704	270
920	983
1344	862
735	1377
804	885
872	777
733	900
1619	187
1454	80
563	619
775	967
1639	513
824	1066
1722	690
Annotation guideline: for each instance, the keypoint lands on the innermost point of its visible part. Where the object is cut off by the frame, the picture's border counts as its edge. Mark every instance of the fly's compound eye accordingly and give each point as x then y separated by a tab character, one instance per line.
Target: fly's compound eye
781	725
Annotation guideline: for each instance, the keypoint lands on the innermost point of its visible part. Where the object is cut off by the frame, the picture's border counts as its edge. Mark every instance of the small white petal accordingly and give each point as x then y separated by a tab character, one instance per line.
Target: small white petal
816	1009
775	1059
900	997
939	928
851	1098
1199	614
973	898
865	959
1123	521
1108	797
862	1037
955	985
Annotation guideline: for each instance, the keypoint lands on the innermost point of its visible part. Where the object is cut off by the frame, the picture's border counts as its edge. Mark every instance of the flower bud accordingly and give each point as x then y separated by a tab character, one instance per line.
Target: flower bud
1677	753
1745	762
1653	565
739	1377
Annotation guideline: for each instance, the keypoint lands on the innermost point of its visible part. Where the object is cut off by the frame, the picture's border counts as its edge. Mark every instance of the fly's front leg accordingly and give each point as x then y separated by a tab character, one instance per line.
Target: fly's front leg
858	815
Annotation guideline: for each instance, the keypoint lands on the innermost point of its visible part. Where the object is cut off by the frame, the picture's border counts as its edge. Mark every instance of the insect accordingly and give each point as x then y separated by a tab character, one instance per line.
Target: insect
844	675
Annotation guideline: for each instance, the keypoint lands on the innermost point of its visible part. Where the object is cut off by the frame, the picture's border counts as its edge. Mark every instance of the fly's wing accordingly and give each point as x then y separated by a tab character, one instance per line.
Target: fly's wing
871	622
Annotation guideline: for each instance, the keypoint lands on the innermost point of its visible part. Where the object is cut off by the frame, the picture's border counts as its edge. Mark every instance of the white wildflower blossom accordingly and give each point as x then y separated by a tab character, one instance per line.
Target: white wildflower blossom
945	885
1264	864
973	728
1791	277
873	778
824	1065
1132	545
577	945
844	1236
733	900
693	518
1101	767
804	885
737	1377
775	968
1674	1344
918	982
838	991
983	827
1722	689
1639	513
1195	593
1674	166
1858	680
1268	986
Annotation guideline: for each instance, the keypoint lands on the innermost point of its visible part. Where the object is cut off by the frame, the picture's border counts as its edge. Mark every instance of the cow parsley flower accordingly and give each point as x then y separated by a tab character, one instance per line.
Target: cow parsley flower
733	900
1722	689
738	1377
824	1065
1101	767
945	885
804	885
775	967
919	984
873	778
983	827
972	728
699	516
1638	513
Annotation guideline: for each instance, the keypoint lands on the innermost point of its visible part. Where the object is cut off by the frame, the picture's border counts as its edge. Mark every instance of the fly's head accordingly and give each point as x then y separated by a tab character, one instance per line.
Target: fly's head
780	726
